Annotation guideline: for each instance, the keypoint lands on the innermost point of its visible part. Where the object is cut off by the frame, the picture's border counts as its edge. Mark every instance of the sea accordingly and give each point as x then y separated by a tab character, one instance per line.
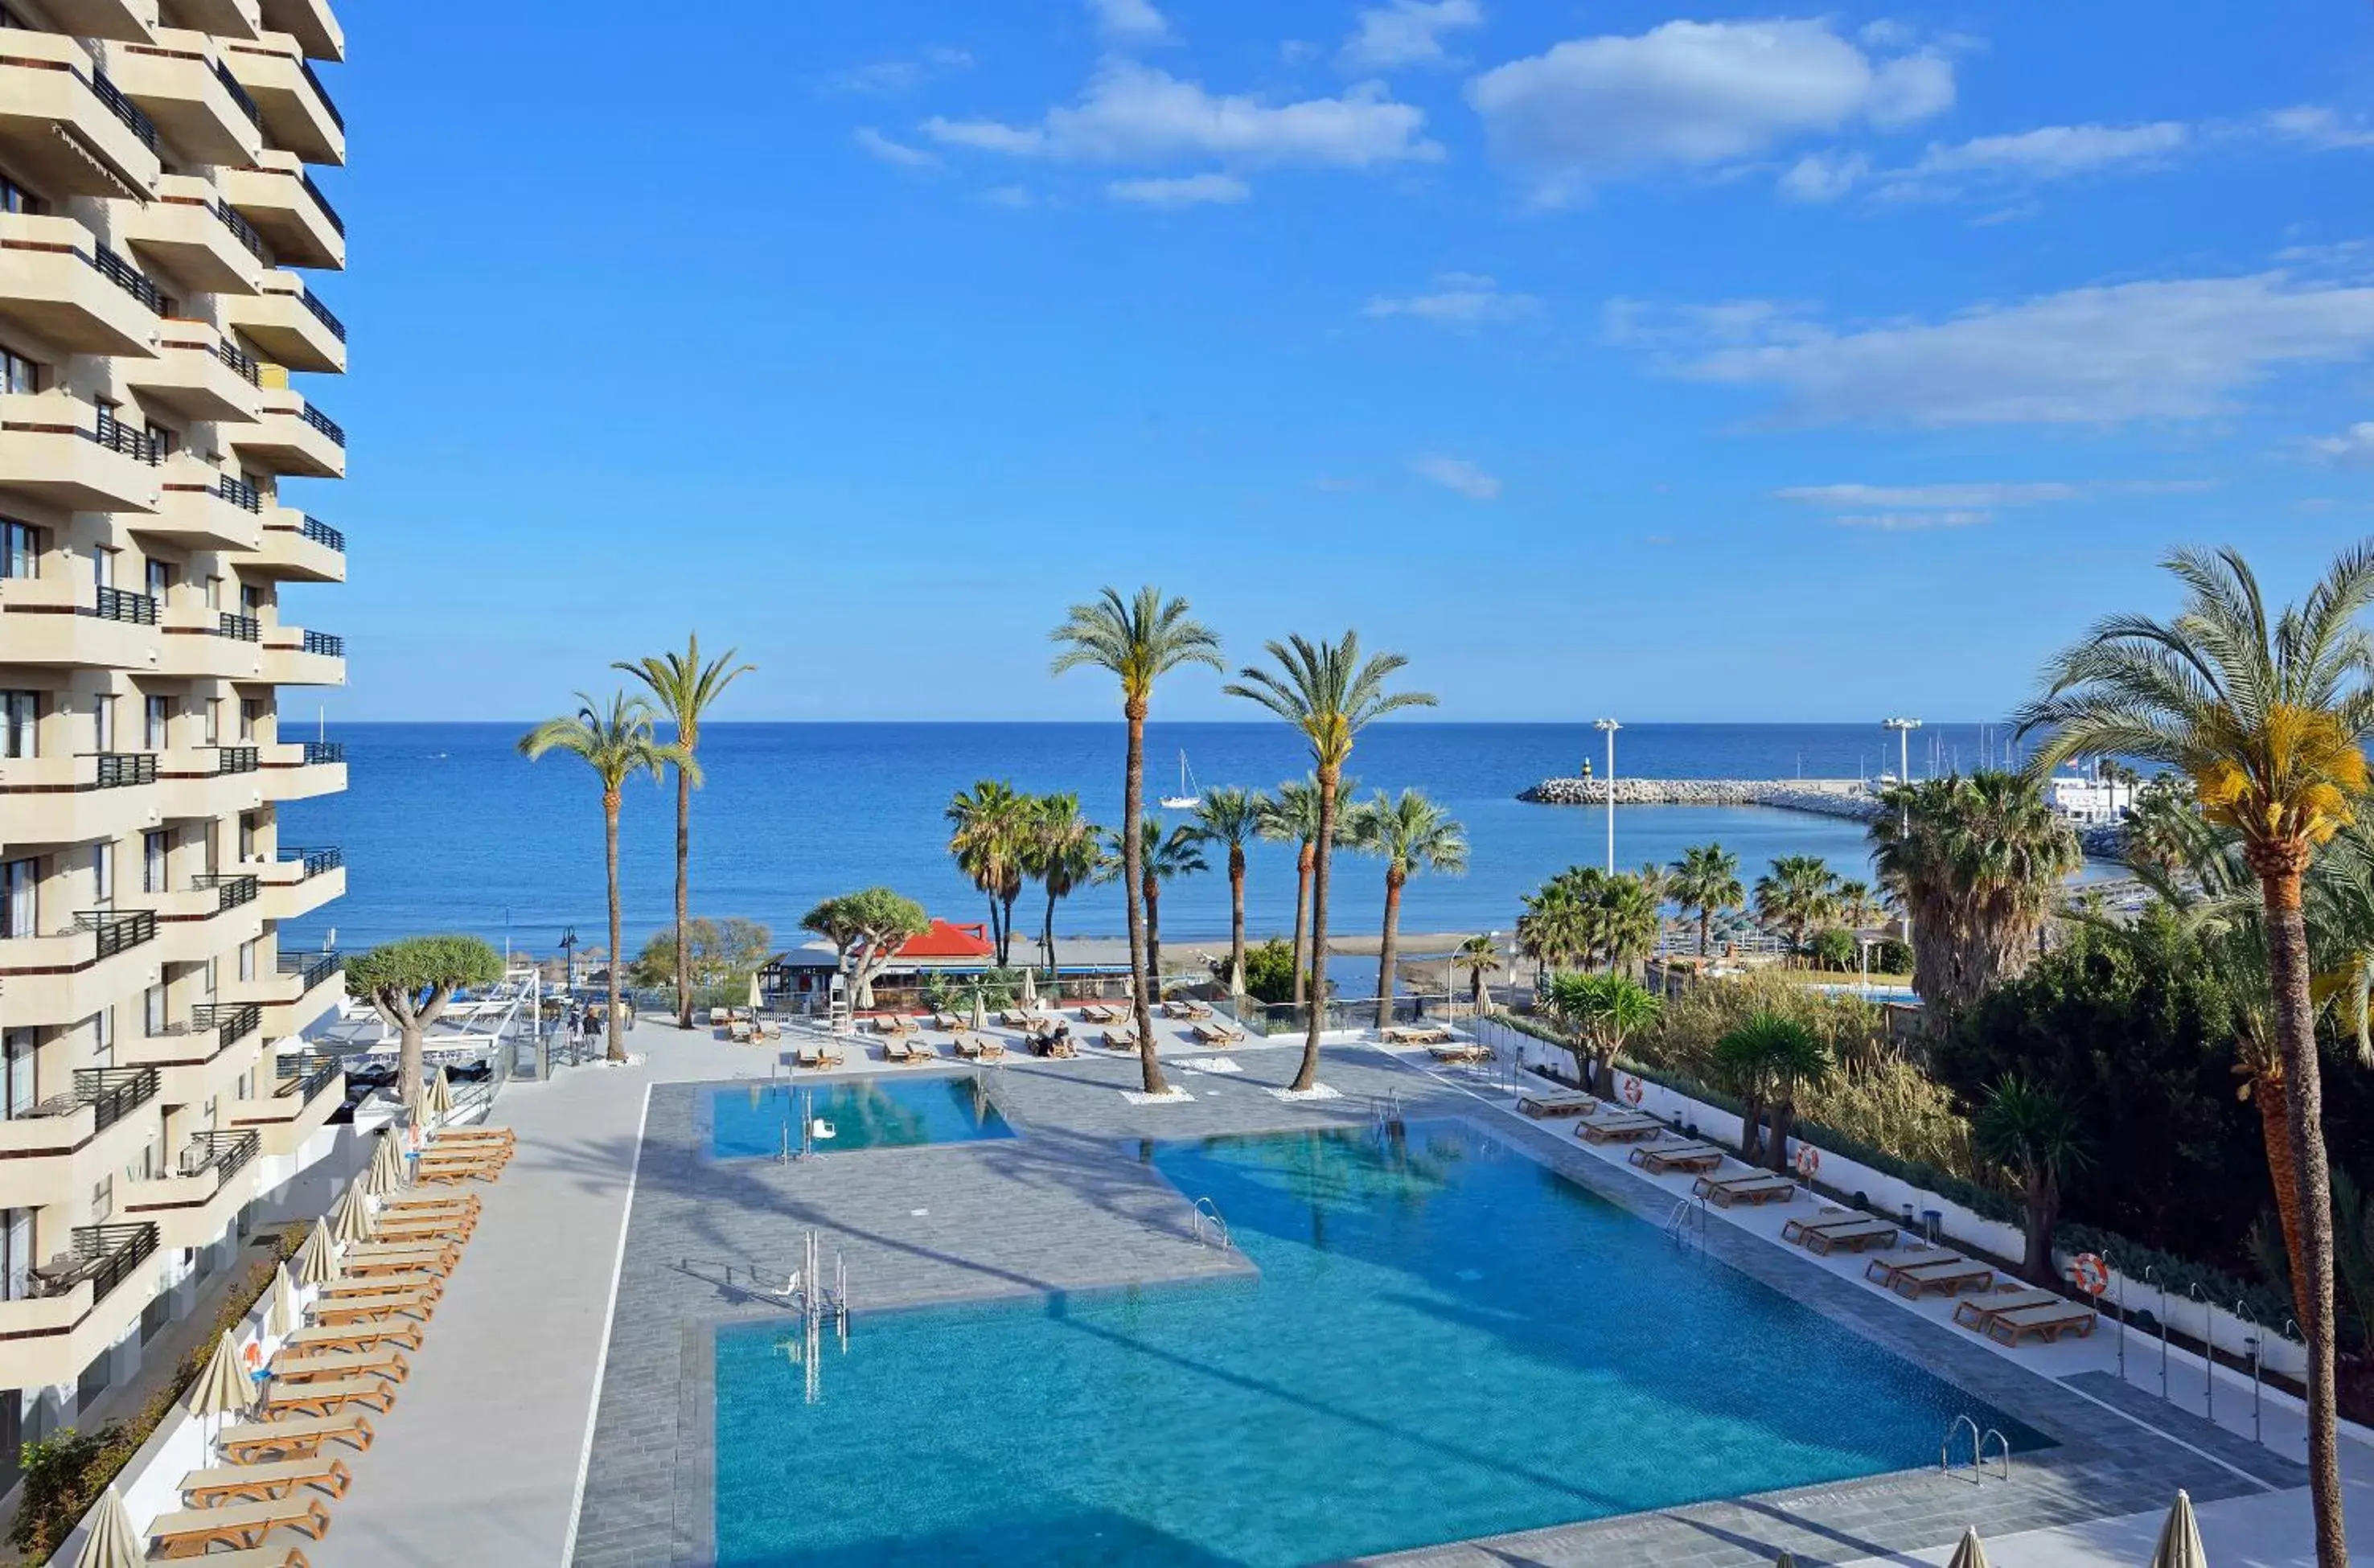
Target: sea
446	827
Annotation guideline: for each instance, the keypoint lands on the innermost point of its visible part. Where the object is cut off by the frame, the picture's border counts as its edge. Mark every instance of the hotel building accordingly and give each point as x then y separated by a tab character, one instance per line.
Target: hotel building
158	231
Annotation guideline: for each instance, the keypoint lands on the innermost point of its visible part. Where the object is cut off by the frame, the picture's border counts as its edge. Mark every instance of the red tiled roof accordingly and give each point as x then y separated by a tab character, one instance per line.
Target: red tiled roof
949	939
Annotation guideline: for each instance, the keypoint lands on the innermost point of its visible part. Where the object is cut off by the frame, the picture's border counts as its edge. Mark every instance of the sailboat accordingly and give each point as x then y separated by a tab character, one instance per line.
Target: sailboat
1189	795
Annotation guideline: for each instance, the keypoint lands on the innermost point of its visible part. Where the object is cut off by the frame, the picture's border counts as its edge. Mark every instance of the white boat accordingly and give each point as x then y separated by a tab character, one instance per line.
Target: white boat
1189	795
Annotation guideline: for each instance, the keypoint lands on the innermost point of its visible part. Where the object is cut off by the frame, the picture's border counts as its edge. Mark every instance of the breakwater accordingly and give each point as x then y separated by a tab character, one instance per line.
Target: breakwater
1849	798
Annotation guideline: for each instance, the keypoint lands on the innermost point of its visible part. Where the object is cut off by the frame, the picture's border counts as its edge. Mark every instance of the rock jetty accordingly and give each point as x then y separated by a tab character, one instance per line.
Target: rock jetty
1827	797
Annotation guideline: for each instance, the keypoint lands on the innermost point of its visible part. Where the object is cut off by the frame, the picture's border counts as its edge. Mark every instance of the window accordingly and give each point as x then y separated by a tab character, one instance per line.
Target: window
20	714
102	1039
103	875
214	593
251	714
213	722
246	966
152	1010
246	836
251	600
160	580
20	548
18	1049
102	565
158	711
18	374
15	198
153	844
19	883
16	1253
103	723
168	441
102	1202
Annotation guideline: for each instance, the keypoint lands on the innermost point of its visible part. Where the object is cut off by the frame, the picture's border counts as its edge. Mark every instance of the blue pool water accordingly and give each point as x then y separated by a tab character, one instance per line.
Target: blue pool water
750	1121
1447	1341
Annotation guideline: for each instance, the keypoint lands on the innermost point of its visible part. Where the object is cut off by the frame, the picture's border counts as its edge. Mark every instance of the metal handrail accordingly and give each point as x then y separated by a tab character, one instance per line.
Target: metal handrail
126	276
323	642
328	107
322	534
317	751
123	109
239	94
230	889
114	1093
321	422
1205	1210
237	759
117	437
322	313
241	230
313	862
122	604
305	1074
221	1153
311	968
239	492
327	210
118	930
118	770
243	629
104	1255
242	362
230	1024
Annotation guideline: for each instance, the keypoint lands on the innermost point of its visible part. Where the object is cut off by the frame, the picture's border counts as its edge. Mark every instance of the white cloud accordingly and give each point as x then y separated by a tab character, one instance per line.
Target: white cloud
2175	349
1907	522
1407	32
2352	448
1192	190
888	151
1129	21
2052	152
1823	177
1015	196
1925	496
1455	473
1695	94
1458	299
889	78
2319	128
1133	113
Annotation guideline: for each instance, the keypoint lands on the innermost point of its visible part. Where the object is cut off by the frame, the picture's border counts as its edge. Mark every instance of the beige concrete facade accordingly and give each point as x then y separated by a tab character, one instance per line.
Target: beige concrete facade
156	209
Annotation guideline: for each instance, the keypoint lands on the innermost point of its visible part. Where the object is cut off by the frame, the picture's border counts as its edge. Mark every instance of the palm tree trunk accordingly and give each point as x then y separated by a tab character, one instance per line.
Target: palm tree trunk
1706	922
610	801
2043	1213
1236	918
1154	931
1784	1118
1751	1128
1133	806
2274	1130
1393	881
682	899
2281	868
1308	1075
408	1066
1006	932
1047	934
1301	923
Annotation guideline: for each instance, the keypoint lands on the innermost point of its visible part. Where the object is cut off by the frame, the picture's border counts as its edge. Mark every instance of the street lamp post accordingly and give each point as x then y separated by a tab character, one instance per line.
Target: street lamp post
1608	727
1904	727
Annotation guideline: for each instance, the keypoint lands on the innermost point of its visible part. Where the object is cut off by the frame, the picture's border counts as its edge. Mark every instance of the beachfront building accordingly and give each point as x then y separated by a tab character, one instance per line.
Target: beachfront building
2091	802
157	228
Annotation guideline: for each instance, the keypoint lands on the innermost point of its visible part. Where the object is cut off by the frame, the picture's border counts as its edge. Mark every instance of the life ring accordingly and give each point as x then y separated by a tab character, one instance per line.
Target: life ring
251	1357
2092	1275
1633	1089
1809	1161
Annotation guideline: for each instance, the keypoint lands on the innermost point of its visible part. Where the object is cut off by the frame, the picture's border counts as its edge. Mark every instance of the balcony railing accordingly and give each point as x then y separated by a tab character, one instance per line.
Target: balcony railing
321	422
118	930
241	230
324	643
322	313
241	362
230	889
320	533
239	492
317	751
310	968
239	94
118	770
123	109
104	1255
329	106
127	277
119	604
117	437
114	1093
327	210
224	1153
311	863
235	759
307	1073
230	1024
244	628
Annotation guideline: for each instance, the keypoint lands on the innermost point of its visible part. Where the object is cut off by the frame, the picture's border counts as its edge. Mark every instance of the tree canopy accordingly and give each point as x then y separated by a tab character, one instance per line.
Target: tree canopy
722	952
410	980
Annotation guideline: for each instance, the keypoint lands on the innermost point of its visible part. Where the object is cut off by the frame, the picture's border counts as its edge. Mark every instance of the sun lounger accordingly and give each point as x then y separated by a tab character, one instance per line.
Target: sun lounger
1978	1311
1951	1277
1558	1103
1755	1187
304	1365
2046	1323
947	1021
242	1525
816	1058
1882	1269
257	1483
447	1174
311	1399
1053	1046
1624	1126
297	1438
437	1251
460	1203
336	1311
277	1555
360	1334
1855	1232
1467	1055
409	1264
427	1280
1217	1034
741	1034
502	1135
719	1017
1662	1159
1015	1018
908	1051
894	1023
1101	1012
1415	1034
1120	1039
455	1228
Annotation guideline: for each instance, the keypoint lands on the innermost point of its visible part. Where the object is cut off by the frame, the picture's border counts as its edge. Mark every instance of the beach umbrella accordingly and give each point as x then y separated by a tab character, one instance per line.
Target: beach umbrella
2180	1539
1784	1561
375	1181
758	994
112	1542
1970	1554
317	1260
282	1320
979	1010
224	1388
350	1222
1030	987
441	1094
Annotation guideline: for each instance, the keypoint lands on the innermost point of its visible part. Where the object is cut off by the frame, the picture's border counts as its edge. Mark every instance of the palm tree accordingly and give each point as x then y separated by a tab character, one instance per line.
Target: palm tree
1628	922
1554	928
992	827
2267	717
1160	859
685	688
1977	862
1481	959
1292	818
1858	905
1412	835
616	743
1065	851
1603	1011
1706	878
1796	894
1329	693
2030	1128
1138	641
1234	818
1767	1059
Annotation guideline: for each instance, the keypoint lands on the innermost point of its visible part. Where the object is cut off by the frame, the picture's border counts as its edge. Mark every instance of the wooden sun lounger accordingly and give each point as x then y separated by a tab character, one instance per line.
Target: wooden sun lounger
306	1365
480	1152
487	1171
1120	1039
1856	1233
1756	1186
2046	1323
322	1399
1556	1102
335	1311
1217	1034
405	1263
1415	1034
275	1556
1977	1312
465	1203
741	1034
359	1335
980	1047
426	1279
904	1050
242	1525
1665	1158
258	1483
816	1058
297	1438
1460	1056
1628	1128
1879	1270
1941	1279
440	1250
1052	1046
1015	1018
1101	1012
947	1021
502	1135
894	1023
455	1228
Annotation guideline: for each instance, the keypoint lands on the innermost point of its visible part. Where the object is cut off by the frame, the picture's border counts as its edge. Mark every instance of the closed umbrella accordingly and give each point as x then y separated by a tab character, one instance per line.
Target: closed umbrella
1970	1554
282	1320
350	1222
2180	1539
441	1094
1784	1561
376	1180
112	1542
224	1388
1029	989
317	1260
979	1010
758	994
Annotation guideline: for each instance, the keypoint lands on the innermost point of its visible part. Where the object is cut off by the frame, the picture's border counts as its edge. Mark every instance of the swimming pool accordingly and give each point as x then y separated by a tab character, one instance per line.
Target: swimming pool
747	1121
1447	1341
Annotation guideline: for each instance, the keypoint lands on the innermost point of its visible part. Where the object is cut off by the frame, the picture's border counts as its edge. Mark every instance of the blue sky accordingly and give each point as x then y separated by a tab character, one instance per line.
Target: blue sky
1706	363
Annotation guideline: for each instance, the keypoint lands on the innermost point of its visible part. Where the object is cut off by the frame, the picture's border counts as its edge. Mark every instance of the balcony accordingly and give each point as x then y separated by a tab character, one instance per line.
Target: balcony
224	18
77	458
72	799
198	643
291	435
310	23
104	956
299	548
306	986
294	658
193	924
198	375
297	112
61	286
304	772
303	881
50	1154
65	127
126	22
277	195
285	320
60	618
207	782
204	508
309	1087
196	1059
195	238
84	1300
212	1180
200	108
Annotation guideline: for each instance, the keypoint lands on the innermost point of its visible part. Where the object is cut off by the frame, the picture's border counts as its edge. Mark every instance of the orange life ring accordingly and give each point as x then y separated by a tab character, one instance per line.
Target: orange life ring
2092	1275
252	1357
1633	1089
1809	1161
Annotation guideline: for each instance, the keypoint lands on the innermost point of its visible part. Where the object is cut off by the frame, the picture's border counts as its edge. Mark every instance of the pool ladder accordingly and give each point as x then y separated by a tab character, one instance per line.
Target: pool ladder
1208	1228
819	1304
1979	1442
1385	1114
1688	1213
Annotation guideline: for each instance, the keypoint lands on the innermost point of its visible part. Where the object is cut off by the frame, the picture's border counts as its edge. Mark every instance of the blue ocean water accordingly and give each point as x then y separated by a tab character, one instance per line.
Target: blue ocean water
1447	1341
446	827
747	1121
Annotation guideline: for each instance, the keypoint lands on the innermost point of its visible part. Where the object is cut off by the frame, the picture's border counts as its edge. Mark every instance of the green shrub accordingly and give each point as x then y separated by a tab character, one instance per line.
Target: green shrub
1269	972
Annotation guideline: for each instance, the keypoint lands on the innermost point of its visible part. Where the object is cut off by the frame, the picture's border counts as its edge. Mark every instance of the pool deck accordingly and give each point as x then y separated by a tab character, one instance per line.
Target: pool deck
481	1459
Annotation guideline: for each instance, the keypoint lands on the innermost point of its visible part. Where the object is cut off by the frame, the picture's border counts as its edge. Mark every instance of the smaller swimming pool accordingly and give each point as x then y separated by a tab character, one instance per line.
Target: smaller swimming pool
749	1121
